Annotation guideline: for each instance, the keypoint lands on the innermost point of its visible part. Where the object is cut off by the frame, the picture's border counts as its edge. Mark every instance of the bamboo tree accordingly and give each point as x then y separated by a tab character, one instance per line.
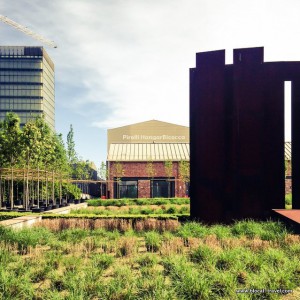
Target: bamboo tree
2	161
60	165
30	143
184	171
151	172
103	174
119	173
72	156
168	164
47	150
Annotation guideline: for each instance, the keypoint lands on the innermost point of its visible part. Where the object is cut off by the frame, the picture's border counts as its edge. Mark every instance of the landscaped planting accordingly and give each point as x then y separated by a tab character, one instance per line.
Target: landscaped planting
135	209
288	201
86	259
138	201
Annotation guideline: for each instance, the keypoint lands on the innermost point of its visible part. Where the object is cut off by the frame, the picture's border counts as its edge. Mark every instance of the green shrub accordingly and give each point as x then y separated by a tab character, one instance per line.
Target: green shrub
11	215
113	217
288	199
139	201
171	210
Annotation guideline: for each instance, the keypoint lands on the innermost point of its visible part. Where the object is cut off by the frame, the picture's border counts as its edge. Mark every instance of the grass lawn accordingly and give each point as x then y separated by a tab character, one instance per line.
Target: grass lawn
88	260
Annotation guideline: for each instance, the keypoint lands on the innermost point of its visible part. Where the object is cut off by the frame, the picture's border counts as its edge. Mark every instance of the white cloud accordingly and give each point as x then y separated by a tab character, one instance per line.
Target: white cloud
120	62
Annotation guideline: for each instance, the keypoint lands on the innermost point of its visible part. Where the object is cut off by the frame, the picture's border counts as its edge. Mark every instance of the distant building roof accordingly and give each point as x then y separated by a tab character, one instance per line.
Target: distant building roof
161	152
288	150
149	152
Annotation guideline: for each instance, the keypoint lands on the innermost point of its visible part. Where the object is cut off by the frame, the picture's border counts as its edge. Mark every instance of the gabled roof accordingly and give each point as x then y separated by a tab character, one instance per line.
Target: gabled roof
149	152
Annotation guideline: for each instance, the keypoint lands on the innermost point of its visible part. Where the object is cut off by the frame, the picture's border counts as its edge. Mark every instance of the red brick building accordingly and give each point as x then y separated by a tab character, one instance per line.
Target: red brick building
148	159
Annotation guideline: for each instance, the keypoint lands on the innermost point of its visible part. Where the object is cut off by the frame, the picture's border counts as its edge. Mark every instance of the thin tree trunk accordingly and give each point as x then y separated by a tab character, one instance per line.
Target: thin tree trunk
12	189
24	189
1	188
53	197
27	189
60	191
46	178
38	188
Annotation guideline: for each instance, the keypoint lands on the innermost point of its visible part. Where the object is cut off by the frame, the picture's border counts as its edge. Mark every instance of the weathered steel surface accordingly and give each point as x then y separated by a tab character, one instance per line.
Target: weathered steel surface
237	135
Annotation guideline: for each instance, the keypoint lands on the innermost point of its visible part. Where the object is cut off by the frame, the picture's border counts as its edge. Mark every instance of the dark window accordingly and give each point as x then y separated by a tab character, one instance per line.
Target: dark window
125	189
162	188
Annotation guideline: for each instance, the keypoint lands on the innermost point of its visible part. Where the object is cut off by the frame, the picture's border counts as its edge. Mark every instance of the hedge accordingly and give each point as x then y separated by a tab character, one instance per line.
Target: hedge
137	201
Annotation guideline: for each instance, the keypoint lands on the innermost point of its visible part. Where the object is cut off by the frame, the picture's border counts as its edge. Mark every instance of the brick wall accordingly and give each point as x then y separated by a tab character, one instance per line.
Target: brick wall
288	186
140	169
288	181
144	189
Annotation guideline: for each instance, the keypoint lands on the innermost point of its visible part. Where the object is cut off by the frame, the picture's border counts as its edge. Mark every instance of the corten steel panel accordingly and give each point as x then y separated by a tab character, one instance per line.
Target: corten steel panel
296	142
248	131
237	135
207	126
274	178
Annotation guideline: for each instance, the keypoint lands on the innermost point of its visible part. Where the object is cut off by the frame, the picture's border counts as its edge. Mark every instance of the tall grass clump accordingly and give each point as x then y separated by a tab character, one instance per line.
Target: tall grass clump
154	287
147	260
102	261
193	229
73	235
153	241
203	255
269	230
187	281
25	238
121	286
220	231
127	246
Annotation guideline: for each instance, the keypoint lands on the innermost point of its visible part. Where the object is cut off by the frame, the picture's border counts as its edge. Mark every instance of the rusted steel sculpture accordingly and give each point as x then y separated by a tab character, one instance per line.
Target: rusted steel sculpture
237	135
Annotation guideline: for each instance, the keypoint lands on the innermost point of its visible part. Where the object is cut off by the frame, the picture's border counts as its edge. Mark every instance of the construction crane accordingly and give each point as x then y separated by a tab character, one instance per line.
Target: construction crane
27	31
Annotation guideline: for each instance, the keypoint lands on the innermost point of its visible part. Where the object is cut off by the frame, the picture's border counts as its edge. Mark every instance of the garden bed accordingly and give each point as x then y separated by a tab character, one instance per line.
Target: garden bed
190	261
138	201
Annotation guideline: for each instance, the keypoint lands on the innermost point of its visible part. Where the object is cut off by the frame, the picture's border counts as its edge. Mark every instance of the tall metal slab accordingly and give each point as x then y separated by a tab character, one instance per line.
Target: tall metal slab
207	113
296	142
237	135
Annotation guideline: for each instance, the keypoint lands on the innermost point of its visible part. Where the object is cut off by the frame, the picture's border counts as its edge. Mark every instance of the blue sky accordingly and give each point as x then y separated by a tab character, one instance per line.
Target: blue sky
125	61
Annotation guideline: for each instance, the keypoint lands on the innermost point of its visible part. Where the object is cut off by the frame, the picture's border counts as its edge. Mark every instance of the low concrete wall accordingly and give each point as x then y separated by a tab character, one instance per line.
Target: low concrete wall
28	221
66	209
21	222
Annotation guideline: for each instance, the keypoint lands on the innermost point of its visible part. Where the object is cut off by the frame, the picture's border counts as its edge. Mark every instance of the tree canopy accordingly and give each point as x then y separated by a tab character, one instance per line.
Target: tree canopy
36	149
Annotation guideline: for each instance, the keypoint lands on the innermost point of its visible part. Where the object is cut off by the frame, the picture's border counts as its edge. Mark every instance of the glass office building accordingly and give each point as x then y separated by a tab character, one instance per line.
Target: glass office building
27	83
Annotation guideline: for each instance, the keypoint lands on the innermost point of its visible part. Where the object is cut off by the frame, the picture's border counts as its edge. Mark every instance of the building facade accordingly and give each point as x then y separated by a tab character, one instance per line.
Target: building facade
148	159
27	83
